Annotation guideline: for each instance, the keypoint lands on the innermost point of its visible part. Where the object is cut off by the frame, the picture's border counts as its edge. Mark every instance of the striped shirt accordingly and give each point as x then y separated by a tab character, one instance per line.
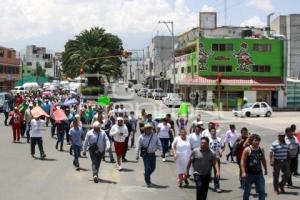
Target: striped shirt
280	151
293	146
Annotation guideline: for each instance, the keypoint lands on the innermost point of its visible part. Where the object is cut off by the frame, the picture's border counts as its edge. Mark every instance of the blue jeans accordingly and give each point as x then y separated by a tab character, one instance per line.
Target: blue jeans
259	182
149	166
60	139
76	150
27	131
165	145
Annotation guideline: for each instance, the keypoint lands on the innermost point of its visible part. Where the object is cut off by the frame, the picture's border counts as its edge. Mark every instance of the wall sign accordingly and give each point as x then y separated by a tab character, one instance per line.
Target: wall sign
243	57
203	57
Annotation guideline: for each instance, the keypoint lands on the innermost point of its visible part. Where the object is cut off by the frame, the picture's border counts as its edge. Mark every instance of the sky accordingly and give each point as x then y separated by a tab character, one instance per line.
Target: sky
52	23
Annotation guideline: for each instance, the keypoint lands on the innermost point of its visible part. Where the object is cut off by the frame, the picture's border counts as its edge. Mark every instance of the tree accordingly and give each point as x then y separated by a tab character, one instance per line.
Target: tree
93	43
39	71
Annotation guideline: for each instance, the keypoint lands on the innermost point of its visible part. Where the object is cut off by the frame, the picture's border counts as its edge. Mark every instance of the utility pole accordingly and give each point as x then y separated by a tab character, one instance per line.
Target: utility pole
225	12
173	48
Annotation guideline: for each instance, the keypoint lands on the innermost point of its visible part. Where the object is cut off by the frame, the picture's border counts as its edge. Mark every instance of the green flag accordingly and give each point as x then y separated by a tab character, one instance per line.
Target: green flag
103	101
183	110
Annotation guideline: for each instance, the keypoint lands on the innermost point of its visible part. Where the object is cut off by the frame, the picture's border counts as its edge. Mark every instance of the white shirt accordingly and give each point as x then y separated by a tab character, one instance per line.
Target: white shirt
37	128
116	130
230	137
206	133
164	130
215	145
122	112
194	140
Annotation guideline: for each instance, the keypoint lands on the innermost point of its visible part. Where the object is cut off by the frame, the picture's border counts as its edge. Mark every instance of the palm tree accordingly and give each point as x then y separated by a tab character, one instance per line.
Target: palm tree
93	43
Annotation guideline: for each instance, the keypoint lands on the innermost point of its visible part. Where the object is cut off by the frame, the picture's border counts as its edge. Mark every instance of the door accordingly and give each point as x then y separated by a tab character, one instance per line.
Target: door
256	109
264	108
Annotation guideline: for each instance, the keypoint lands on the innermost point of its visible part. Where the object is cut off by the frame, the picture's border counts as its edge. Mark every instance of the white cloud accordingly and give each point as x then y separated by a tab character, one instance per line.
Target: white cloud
253	21
206	8
23	19
265	5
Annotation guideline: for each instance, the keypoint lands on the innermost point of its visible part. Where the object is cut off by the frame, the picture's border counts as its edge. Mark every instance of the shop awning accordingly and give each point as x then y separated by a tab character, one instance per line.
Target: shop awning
233	81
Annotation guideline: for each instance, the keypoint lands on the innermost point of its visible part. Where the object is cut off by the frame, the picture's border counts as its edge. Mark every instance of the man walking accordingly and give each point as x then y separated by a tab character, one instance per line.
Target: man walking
148	144
119	132
76	133
279	161
252	159
294	147
98	142
37	128
203	160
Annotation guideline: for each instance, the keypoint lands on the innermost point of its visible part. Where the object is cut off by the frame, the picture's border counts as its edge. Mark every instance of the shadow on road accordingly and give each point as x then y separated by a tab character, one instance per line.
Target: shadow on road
83	169
48	159
127	170
290	193
159	186
107	181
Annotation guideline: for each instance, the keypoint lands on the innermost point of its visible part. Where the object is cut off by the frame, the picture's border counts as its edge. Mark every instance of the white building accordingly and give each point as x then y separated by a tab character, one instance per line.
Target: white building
34	57
289	26
134	69
159	60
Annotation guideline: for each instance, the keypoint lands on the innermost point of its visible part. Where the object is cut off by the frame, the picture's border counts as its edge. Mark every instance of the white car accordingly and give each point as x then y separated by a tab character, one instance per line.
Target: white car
172	99
254	109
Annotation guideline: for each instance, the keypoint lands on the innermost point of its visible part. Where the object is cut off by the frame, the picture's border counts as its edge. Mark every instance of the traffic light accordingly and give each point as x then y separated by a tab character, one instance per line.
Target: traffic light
219	79
126	54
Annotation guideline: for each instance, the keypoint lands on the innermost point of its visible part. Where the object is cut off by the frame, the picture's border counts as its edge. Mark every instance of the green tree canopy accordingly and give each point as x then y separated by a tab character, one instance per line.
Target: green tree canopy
93	43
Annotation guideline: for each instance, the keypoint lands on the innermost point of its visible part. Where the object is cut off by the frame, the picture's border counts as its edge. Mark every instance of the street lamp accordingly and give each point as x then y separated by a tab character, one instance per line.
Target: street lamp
171	30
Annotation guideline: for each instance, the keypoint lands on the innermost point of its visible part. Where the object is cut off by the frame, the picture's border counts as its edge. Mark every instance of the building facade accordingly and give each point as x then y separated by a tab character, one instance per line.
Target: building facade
9	68
289	26
159	59
134	69
34	57
251	66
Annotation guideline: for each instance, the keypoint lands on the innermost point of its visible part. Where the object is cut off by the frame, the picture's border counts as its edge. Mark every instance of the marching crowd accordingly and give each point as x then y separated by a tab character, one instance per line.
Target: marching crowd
197	151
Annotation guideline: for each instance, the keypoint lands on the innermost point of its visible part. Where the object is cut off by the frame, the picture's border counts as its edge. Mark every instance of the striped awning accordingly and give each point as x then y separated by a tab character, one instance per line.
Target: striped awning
254	81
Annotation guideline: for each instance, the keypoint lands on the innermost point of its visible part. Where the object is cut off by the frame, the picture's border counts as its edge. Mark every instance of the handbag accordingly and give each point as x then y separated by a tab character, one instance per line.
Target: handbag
94	147
144	150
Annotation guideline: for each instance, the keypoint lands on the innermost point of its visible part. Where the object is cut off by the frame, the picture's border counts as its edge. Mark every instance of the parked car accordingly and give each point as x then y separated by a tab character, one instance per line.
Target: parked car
150	93
172	100
156	91
137	87
159	95
31	86
142	92
254	109
18	89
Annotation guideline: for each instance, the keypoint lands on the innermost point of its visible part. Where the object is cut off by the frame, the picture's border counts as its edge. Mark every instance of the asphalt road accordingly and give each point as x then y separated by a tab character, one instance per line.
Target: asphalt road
22	177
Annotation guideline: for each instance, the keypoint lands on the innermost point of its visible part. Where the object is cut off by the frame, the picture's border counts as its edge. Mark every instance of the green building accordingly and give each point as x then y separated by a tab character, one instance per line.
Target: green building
251	68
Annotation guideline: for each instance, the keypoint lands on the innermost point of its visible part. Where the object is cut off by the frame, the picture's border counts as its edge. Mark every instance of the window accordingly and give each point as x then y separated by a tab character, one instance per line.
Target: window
1	69
261	68
256	106
264	105
9	54
222	47
262	47
1	53
182	70
221	68
188	69
195	68
29	63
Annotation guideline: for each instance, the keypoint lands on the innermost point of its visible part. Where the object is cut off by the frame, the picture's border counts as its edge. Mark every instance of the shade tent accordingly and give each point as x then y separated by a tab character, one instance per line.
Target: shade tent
38	112
69	102
59	115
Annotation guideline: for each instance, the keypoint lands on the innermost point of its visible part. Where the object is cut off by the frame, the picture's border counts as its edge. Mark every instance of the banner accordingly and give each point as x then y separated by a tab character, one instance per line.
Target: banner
103	101
183	110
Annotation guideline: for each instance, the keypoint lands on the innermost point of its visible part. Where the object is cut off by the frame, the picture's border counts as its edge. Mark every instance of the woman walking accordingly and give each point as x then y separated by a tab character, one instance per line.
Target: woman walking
17	120
182	151
163	131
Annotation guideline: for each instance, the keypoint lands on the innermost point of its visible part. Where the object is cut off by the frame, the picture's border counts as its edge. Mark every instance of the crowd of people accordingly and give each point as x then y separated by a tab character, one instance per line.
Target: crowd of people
197	151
